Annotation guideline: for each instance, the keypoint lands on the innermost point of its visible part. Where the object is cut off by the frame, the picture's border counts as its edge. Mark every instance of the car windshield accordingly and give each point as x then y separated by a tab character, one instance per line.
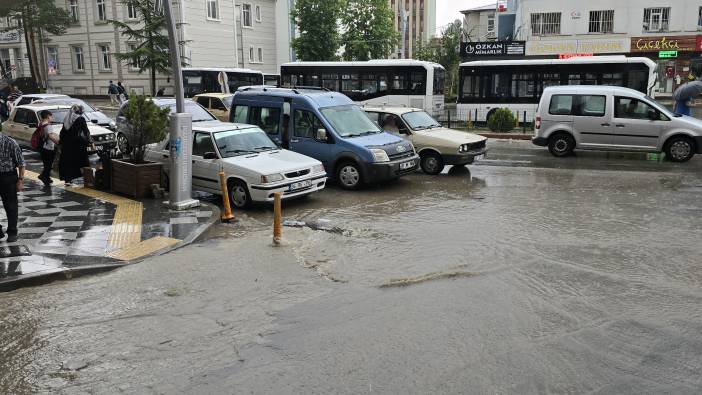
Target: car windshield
418	120
241	142
199	114
59	115
350	121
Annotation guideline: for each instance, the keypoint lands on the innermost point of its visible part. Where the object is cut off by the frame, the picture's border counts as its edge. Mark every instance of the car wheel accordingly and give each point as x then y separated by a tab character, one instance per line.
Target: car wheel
348	175
431	163
561	145
680	149
123	143
239	195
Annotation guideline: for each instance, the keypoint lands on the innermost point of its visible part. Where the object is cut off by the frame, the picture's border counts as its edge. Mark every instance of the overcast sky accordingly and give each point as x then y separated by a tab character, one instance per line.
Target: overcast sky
448	11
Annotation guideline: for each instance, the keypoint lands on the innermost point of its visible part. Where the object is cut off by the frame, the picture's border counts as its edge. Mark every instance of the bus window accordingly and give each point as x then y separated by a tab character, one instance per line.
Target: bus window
638	80
471	86
331	82
498	85
590	79
349	84
523	85
399	82
419	83
369	84
574	79
383	83
613	79
312	80
439	76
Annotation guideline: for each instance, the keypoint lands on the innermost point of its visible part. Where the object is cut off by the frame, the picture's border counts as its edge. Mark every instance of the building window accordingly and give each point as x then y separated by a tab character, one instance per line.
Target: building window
699	19
490	23
101	10
131	11
78	61
258	13
656	19
246	15
251	54
546	23
52	57
73	10
601	21
259	58
135	61
105	57
213	9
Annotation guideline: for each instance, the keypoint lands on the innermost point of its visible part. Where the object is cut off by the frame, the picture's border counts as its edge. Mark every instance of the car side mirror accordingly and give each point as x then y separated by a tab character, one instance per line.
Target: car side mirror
404	131
209	155
653	115
321	135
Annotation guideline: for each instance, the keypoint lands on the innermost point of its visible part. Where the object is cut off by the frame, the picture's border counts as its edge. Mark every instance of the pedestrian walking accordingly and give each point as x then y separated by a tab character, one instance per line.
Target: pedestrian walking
11	182
113	92
122	92
74	141
47	149
15	93
685	93
159	93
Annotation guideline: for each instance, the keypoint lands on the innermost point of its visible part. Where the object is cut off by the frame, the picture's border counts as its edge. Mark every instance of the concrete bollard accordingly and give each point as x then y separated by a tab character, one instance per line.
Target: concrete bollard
277	218
227	215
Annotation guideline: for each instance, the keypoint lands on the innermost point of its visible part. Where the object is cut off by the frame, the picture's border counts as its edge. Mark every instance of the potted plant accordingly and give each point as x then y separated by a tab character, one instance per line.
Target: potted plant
147	122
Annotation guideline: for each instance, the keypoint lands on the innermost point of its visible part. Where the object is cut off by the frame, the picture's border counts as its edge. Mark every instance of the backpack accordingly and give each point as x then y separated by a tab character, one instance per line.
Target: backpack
38	138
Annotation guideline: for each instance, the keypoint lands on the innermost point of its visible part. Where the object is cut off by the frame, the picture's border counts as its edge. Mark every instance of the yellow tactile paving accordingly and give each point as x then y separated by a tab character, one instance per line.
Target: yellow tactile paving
143	248
124	240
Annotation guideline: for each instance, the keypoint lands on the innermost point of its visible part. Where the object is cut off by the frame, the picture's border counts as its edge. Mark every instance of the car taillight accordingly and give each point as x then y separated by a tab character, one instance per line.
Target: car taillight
537	123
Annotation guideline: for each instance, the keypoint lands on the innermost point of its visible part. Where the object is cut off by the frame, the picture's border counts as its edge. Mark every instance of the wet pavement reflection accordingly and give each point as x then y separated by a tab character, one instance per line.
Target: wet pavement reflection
508	277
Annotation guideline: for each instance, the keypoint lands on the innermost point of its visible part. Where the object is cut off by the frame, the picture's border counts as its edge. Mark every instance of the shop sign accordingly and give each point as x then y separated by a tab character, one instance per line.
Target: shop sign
593	46
471	50
664	43
9	36
573	55
667	54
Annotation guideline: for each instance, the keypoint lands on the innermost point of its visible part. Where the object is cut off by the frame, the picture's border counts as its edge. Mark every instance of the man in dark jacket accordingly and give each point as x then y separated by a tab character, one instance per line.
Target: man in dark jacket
686	92
113	91
11	181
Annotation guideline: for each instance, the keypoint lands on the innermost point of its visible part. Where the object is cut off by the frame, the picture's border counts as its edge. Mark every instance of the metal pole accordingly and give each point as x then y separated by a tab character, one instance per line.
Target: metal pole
180	128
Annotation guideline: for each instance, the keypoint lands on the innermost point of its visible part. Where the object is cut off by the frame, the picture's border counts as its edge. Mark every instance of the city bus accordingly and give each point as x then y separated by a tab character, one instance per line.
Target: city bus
402	82
198	80
485	86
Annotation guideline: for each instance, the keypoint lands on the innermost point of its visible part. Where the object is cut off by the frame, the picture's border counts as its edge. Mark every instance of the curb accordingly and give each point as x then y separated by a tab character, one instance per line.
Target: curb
507	136
67	273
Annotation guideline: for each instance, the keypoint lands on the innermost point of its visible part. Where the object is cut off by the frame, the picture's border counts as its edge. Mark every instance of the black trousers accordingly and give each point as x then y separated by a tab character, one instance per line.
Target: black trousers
47	157
8	193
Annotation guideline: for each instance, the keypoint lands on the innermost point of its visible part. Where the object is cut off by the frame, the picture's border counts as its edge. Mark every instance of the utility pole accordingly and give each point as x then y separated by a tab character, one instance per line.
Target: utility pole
180	127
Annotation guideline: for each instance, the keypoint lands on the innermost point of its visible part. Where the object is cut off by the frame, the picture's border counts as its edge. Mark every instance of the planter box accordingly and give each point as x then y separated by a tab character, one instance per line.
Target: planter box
134	180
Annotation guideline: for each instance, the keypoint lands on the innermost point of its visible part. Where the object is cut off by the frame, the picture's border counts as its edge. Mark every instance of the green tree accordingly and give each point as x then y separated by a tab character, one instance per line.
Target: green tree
148	124
318	23
152	51
32	18
430	52
450	58
368	30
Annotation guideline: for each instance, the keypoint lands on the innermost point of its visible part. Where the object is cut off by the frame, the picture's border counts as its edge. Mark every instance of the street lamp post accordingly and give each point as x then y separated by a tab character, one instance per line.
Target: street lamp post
180	128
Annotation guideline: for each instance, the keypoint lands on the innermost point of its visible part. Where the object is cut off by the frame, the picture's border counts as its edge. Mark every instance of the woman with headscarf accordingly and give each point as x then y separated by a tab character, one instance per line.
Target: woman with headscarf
74	141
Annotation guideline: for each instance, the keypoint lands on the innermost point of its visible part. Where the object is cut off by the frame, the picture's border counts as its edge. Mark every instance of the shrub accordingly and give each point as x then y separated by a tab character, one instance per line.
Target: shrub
502	120
148	123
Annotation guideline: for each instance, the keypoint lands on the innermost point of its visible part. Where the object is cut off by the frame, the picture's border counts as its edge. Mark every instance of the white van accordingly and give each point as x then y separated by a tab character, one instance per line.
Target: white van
612	118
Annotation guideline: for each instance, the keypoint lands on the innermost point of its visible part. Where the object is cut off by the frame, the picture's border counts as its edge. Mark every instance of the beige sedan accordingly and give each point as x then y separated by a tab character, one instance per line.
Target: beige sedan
436	145
216	103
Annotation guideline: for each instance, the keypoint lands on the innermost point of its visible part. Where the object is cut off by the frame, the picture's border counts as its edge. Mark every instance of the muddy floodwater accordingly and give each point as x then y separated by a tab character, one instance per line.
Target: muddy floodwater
524	274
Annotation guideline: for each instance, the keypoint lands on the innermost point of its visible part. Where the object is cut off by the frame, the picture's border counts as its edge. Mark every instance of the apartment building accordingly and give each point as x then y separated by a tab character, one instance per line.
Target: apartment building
479	23
415	20
213	33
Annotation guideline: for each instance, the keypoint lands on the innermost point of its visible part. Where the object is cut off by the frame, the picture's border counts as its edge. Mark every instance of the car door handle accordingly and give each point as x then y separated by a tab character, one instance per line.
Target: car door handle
165	156
294	140
605	125
620	125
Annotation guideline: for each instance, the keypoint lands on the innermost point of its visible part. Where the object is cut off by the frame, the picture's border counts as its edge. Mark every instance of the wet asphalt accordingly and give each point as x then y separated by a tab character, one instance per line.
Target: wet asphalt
521	274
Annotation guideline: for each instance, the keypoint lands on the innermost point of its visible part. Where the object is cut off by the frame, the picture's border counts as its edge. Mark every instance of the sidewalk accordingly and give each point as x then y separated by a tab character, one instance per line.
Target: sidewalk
69	230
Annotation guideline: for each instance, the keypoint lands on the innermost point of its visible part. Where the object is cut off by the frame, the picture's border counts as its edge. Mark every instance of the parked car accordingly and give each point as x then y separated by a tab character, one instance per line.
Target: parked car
612	118
124	134
32	97
90	113
216	103
436	145
254	167
327	126
24	120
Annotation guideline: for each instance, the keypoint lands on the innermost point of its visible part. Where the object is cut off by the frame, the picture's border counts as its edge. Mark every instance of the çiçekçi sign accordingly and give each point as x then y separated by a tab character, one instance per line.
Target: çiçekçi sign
664	43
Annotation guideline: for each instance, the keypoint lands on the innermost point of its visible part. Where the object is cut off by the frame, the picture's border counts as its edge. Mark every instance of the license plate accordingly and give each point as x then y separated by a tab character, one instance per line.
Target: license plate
479	157
300	185
407	165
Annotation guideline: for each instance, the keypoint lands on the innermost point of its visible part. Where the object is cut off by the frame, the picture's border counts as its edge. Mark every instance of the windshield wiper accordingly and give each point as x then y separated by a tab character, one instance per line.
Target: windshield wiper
240	151
265	147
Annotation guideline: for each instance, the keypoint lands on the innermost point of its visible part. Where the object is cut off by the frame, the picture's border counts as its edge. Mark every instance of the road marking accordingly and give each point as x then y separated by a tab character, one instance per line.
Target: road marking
143	248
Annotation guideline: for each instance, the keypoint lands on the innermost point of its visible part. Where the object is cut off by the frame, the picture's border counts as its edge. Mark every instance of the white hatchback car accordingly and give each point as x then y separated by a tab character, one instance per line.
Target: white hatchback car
254	167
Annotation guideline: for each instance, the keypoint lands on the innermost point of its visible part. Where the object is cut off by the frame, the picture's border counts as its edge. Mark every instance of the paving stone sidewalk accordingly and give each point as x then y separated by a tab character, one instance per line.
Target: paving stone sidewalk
73	229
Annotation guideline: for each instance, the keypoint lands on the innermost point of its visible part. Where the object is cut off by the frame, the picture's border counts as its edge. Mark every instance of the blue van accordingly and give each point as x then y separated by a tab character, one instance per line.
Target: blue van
329	127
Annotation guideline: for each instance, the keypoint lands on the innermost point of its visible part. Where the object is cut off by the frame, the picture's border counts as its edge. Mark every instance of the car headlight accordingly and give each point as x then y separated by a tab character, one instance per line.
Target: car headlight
113	125
380	155
318	169
271	178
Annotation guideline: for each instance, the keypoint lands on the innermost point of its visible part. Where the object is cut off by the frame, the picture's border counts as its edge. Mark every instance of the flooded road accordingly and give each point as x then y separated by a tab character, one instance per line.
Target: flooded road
525	274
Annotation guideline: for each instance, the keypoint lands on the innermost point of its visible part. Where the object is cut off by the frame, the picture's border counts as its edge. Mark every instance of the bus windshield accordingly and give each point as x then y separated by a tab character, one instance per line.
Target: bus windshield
350	121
